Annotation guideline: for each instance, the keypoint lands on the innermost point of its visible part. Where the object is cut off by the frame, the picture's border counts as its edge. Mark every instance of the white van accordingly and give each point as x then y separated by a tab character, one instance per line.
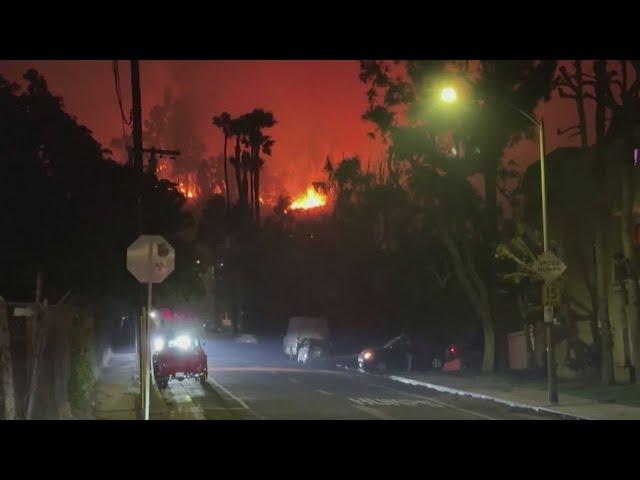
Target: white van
301	328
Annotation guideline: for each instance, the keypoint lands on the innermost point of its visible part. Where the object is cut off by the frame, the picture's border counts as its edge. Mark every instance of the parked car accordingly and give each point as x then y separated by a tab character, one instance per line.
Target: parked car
303	328
393	355
433	352
313	351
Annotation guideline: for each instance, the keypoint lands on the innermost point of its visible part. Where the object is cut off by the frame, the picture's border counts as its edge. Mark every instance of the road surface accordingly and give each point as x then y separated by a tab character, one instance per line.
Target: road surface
256	381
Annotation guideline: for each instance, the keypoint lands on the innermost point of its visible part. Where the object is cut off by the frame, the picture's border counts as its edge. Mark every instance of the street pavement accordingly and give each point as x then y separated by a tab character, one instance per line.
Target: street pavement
256	381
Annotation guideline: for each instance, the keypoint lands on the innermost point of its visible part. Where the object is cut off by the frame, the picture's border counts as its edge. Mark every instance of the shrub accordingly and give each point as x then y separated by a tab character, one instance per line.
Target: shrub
81	376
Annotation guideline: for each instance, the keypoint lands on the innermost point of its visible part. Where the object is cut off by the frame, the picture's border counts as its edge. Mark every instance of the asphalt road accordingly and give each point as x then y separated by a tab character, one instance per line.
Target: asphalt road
256	381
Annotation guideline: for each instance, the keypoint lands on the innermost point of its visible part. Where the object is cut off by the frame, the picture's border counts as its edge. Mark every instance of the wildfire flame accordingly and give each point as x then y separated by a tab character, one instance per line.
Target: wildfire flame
188	190
310	199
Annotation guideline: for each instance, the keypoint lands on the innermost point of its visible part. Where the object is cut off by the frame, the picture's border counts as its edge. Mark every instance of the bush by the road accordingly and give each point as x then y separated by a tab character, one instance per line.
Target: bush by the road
81	377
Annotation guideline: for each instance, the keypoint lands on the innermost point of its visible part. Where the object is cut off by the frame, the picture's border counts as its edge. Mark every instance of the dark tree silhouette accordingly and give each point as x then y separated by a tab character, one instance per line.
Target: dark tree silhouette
482	128
69	210
223	122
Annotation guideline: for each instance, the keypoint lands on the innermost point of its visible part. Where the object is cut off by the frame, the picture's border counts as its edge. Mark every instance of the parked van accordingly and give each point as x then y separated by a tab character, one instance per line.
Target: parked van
302	328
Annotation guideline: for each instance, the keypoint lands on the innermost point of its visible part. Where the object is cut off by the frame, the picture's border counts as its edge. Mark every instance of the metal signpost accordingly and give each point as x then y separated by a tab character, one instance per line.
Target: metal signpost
549	267
150	259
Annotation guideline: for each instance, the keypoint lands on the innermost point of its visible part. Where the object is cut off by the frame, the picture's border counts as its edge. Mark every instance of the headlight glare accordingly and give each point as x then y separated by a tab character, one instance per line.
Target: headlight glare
158	344
183	342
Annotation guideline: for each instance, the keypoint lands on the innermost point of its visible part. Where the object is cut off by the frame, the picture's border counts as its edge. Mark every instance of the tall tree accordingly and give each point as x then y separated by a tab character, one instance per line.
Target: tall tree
237	129
258	143
623	129
571	84
80	203
223	122
485	126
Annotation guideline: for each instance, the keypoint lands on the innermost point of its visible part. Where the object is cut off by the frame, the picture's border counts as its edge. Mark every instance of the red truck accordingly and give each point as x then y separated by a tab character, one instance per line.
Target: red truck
177	350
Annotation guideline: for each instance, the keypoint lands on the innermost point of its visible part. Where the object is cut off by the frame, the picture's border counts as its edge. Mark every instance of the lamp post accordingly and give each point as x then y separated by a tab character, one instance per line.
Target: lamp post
449	95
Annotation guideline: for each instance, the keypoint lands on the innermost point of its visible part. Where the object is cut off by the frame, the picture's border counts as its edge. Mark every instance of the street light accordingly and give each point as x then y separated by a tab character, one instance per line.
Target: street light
448	95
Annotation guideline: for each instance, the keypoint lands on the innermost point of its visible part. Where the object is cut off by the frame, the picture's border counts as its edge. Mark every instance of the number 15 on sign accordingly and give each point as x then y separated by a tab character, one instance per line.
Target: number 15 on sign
550	295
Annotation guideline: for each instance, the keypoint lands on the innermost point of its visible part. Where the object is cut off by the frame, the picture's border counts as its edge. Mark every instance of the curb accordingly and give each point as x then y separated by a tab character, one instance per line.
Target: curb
480	396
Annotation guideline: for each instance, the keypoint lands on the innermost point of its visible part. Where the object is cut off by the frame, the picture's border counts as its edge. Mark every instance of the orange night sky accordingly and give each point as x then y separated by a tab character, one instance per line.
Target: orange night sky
318	105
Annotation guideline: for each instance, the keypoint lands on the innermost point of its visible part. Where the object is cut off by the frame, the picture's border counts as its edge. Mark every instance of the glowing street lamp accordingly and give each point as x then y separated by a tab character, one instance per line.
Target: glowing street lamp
448	95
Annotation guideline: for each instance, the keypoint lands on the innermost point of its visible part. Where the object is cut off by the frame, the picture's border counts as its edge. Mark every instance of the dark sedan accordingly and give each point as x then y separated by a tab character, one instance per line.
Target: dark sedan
404	354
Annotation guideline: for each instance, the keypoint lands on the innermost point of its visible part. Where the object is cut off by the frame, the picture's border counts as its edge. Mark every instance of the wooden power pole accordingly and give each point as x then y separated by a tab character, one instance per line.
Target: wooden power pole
136	120
138	151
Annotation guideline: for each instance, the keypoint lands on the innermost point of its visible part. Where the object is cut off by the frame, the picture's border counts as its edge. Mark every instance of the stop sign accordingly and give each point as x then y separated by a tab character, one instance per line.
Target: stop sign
150	259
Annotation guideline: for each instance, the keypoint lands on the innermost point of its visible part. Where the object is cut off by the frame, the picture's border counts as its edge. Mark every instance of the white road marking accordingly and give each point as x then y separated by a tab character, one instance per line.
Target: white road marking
206	409
471	412
294	380
374	412
244	405
278	370
394	402
324	392
440	402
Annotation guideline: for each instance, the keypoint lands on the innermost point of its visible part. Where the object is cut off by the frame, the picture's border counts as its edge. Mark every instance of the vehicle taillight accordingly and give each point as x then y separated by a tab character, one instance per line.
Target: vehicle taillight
452	349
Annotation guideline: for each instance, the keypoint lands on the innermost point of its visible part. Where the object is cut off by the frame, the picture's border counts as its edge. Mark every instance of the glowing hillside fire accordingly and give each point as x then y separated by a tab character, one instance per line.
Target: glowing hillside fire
310	199
189	191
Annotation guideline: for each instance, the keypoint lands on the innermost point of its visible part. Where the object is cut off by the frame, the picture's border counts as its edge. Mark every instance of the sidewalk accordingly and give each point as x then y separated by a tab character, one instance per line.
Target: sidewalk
496	389
116	392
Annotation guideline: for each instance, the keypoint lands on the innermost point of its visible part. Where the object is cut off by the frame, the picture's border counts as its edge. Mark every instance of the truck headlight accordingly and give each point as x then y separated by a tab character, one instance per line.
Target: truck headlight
158	344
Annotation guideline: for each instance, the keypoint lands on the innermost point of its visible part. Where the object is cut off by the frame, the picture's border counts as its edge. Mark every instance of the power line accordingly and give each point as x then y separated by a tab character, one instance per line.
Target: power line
116	75
123	118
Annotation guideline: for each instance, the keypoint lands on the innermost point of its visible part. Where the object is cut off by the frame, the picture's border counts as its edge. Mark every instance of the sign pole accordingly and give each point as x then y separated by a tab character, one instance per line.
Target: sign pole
150	259
147	347
552	383
141	340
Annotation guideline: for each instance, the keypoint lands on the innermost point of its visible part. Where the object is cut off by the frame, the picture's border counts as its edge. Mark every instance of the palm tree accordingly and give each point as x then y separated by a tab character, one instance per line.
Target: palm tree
265	145
237	128
257	143
223	122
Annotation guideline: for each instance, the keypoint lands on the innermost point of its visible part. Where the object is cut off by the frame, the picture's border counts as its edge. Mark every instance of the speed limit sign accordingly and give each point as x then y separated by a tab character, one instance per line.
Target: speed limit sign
551	295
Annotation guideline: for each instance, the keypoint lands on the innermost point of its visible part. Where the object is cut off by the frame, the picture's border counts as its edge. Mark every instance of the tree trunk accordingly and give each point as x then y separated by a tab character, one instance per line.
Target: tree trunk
6	369
245	183
488	357
593	297
251	192
602	224
490	195
606	354
237	167
226	174
631	283
477	293
579	92
257	195
494	330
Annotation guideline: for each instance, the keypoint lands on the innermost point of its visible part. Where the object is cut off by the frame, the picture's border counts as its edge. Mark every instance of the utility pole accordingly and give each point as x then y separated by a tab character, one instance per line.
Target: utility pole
136	114
142	334
137	130
136	119
154	153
